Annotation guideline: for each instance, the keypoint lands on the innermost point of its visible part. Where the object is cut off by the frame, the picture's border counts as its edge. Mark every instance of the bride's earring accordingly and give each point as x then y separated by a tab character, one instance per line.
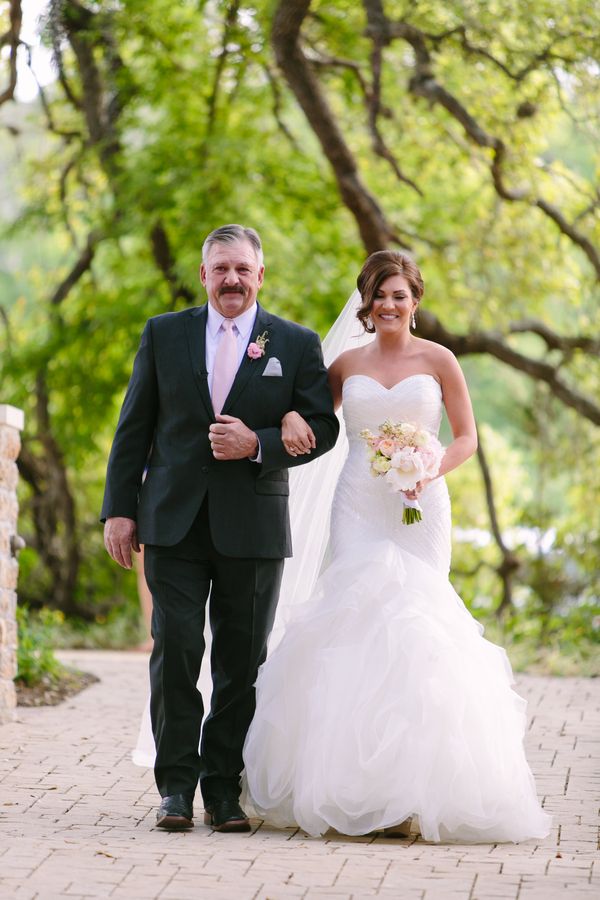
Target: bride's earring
369	322
413	321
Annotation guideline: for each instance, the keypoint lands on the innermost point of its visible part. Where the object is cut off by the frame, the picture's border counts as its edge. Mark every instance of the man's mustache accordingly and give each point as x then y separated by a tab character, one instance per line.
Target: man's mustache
233	289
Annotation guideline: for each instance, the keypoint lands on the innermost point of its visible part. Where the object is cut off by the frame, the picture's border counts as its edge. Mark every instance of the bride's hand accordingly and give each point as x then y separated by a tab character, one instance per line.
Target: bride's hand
418	489
296	434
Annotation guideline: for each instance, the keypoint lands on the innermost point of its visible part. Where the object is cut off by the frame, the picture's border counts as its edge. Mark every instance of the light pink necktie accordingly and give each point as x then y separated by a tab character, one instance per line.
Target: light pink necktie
226	365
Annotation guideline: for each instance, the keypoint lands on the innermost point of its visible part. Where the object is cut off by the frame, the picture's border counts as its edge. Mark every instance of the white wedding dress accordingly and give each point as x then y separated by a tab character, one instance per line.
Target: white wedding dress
382	700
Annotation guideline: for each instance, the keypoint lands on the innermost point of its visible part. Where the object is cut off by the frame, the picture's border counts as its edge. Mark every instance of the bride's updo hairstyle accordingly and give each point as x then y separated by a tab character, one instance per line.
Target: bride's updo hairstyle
379	266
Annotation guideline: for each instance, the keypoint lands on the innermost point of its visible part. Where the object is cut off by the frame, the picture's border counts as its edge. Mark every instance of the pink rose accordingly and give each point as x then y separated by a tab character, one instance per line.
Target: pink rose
387	447
254	351
431	457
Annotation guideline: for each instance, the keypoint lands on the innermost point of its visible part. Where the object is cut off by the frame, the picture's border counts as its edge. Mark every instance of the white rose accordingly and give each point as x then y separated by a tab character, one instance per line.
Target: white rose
399	481
407	469
407	430
381	465
421	438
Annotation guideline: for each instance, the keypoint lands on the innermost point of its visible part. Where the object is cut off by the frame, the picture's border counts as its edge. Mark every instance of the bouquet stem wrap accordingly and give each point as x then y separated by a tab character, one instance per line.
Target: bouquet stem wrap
412	511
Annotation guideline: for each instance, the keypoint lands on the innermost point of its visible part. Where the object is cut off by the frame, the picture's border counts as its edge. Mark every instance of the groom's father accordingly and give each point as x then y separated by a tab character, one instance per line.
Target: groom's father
203	409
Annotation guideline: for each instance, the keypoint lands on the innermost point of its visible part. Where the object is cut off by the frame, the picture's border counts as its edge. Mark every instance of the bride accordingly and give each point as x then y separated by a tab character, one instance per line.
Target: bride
382	701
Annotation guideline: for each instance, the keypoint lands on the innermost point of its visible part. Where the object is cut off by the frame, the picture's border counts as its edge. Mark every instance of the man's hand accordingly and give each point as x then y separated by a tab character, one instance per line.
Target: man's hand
296	434
120	538
231	439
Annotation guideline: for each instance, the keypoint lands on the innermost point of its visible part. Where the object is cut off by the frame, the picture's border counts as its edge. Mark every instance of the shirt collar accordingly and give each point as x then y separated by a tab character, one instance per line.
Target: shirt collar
243	323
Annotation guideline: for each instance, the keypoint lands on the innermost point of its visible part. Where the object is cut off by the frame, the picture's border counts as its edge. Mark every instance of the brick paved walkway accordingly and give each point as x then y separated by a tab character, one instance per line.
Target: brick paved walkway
76	817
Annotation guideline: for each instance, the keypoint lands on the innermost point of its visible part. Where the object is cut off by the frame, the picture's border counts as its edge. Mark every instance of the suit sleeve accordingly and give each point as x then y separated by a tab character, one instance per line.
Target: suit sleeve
312	399
134	434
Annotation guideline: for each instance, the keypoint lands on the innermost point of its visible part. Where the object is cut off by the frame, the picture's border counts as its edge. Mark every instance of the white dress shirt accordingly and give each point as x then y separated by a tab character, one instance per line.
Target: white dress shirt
243	326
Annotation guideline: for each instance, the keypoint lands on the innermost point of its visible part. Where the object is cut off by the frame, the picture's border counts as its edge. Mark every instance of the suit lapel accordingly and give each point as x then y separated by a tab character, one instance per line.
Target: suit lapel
248	367
196	336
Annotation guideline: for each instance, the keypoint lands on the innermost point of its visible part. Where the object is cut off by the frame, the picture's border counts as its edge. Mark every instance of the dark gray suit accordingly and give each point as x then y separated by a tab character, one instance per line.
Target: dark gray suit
210	526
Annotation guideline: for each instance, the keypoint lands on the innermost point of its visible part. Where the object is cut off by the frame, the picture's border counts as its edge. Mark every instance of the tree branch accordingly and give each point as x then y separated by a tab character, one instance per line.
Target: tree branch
374	229
81	266
163	257
9	339
543	56
78	23
320	60
62	187
374	108
228	24
11	38
492	343
30	468
54	27
51	124
424	84
101	110
553	340
571	232
277	108
510	564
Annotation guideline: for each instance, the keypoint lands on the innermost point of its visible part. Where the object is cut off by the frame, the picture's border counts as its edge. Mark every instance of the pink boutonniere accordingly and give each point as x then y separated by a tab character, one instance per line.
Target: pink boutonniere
257	348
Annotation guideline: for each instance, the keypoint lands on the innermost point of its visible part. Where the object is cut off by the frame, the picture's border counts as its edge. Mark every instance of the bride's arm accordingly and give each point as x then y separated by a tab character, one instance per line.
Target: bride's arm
296	435
460	413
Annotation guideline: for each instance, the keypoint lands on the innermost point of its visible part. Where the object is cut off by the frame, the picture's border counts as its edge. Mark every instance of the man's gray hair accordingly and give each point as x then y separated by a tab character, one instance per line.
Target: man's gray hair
229	234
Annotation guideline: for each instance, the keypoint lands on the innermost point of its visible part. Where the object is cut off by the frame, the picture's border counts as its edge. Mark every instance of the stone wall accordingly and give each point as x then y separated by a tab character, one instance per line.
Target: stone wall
11	424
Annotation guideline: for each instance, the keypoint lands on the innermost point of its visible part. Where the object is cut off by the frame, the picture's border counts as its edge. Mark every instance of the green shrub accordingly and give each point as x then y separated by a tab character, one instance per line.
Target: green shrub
36	661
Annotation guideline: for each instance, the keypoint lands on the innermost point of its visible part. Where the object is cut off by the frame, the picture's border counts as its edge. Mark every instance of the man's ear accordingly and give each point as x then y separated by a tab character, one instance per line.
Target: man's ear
261	276
203	274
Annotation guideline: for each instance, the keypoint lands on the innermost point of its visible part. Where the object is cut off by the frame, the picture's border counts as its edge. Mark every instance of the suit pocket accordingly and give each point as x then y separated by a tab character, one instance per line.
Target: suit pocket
272	487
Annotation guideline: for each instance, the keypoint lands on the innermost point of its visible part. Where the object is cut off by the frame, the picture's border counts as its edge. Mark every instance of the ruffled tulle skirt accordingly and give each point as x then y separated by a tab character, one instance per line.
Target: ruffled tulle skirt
383	701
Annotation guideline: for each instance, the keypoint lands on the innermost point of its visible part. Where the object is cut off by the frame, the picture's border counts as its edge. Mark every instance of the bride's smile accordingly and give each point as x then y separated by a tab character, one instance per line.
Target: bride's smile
393	305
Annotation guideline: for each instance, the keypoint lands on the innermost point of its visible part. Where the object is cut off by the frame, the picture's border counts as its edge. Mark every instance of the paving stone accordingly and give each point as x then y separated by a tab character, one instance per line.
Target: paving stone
77	818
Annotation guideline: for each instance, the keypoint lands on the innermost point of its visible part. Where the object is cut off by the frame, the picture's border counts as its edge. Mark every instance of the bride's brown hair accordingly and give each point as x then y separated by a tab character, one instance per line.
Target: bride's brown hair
379	266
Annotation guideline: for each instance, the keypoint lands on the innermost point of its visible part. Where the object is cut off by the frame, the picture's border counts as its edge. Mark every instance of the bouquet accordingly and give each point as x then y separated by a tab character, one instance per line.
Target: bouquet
404	454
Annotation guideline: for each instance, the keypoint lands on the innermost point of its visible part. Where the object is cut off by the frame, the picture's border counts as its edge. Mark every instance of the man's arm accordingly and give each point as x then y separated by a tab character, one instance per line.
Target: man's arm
312	399
133	437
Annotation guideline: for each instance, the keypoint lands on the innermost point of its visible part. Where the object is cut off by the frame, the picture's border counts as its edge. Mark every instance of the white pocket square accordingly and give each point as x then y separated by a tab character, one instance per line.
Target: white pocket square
273	368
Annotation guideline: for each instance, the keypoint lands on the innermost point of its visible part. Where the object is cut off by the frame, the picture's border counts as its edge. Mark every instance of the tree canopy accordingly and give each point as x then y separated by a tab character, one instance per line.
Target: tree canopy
466	132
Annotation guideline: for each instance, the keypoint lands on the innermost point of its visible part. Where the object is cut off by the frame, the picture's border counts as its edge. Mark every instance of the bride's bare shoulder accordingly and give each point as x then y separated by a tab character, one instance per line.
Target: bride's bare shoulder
345	362
442	362
436	353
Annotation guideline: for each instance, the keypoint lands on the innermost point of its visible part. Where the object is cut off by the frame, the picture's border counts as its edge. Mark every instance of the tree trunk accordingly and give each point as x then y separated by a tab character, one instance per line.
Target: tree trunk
53	512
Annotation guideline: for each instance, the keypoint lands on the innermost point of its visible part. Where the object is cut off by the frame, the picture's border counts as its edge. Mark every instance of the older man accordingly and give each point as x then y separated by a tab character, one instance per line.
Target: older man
204	405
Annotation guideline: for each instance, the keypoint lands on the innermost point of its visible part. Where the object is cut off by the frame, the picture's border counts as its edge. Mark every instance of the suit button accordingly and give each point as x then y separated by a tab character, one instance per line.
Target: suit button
205	469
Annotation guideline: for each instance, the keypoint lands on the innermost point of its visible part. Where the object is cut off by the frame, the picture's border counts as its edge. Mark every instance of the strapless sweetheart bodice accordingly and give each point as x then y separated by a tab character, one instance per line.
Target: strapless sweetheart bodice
364	507
367	403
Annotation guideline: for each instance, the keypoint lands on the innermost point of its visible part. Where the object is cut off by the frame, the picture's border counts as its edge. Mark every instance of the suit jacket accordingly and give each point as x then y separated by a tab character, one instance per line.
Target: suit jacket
165	419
